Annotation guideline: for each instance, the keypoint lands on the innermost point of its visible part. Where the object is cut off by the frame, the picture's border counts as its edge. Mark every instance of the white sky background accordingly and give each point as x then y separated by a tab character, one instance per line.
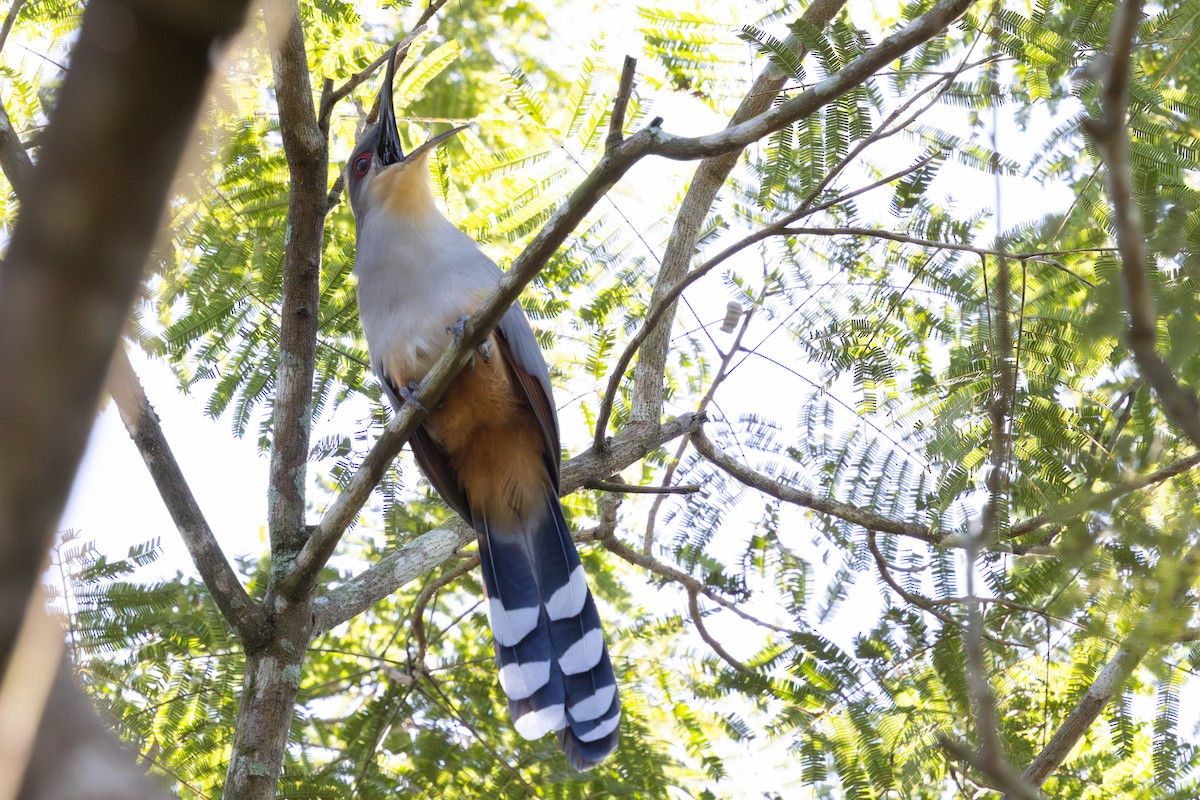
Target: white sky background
115	503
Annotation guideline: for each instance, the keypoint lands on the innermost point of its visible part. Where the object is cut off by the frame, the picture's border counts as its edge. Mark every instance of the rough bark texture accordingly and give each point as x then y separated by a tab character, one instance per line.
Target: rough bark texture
307	151
90	211
267	704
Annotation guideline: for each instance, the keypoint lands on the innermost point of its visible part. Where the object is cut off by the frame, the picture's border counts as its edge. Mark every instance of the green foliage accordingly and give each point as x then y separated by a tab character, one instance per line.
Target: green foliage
882	344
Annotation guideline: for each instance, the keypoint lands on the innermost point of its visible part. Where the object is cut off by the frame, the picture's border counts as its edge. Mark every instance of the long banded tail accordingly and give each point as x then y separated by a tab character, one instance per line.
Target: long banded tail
554	664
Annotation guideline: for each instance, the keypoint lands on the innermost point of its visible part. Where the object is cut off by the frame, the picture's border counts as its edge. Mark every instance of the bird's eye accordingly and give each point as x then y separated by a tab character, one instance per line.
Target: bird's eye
361	165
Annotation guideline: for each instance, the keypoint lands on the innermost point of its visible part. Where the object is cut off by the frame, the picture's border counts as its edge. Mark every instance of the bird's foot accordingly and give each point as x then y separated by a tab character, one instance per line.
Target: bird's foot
459	327
484	349
408	395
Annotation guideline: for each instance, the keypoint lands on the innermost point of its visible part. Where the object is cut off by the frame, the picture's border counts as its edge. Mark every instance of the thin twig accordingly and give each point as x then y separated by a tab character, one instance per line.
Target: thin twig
669	473
698	621
616	122
1039	256
629	488
9	20
686	581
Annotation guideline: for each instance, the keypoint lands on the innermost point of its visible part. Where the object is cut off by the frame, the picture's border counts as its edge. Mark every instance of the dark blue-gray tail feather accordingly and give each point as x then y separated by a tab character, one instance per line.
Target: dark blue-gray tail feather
550	648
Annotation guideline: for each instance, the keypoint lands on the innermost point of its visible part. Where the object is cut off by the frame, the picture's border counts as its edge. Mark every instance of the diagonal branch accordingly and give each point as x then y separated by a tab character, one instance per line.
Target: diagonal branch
697	202
430	549
822	505
615	162
709	639
9	20
246	616
913	530
1044	257
71	271
1111	134
1150	632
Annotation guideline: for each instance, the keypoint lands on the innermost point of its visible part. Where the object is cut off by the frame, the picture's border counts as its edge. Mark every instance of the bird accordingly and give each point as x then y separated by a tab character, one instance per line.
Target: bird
490	447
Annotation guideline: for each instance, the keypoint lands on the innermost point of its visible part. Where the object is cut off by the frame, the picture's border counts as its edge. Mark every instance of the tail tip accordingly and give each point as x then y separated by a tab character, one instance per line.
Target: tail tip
582	755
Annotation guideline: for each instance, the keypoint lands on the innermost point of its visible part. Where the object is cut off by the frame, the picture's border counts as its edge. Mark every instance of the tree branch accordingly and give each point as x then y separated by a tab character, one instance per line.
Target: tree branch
822	505
330	96
924	533
1148	633
702	407
698	621
616	121
685	580
1039	256
13	158
73	265
1098	499
430	549
685	232
9	20
306	149
1111	135
142	425
611	167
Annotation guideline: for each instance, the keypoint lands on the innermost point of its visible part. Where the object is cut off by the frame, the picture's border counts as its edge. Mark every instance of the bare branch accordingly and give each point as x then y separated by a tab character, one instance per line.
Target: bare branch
698	621
822	505
628	488
417	615
1111	134
430	549
1039	256
1082	505
685	232
9	20
143	427
330	96
616	121
1148	633
688	582
246	616
306	148
702	407
70	274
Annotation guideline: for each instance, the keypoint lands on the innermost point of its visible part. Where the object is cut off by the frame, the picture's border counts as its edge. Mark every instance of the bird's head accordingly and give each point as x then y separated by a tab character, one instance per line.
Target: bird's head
378	171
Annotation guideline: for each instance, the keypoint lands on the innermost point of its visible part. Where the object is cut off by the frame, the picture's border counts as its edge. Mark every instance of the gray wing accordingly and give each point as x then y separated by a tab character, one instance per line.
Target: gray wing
524	355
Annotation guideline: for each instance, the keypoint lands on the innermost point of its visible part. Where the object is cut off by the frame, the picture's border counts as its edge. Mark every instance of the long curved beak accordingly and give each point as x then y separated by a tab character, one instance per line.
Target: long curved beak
434	142
388	148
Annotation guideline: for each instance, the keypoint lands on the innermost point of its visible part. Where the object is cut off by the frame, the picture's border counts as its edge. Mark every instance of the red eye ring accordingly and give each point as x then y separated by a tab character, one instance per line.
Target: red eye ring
361	165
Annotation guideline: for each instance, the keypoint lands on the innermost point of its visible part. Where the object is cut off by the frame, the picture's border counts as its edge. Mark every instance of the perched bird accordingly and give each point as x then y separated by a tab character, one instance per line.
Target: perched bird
490	447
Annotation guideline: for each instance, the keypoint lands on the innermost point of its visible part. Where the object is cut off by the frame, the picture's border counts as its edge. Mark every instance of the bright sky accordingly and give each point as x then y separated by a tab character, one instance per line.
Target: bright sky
115	503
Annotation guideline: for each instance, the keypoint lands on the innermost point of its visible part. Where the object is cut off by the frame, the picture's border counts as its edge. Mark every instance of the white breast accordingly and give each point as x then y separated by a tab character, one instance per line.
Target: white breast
415	278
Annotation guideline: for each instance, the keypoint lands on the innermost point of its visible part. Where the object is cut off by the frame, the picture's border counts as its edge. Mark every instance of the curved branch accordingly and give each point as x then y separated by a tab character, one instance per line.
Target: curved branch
142	425
612	166
698	621
430	549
